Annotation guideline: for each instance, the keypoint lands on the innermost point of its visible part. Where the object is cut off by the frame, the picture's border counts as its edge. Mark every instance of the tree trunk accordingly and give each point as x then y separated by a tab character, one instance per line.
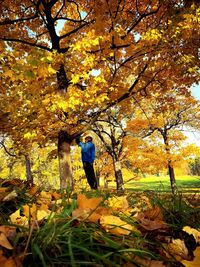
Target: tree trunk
64	157
172	178
29	177
169	164
118	175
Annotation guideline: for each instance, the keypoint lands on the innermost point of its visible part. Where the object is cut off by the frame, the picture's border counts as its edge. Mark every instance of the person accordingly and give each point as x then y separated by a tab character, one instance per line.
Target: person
88	157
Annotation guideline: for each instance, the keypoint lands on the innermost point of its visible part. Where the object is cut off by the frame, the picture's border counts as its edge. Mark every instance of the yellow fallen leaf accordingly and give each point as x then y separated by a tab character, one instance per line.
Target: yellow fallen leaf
115	225
178	249
196	260
4	241
42	214
88	203
16	218
118	203
192	231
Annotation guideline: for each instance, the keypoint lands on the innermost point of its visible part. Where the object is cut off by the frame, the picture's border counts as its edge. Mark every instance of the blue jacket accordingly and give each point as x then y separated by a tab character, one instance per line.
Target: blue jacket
87	151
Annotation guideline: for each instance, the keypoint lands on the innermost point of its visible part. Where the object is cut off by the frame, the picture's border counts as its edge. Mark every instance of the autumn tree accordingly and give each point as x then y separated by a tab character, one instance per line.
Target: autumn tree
129	43
168	115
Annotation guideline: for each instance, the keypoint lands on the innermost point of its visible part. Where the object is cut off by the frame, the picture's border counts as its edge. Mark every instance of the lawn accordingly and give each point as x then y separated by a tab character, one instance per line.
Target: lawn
162	183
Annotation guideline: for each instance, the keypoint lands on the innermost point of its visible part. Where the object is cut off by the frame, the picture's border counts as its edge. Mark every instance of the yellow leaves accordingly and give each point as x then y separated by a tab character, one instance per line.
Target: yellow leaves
153	34
115	225
16	218
4	241
30	135
178	249
118	203
192	231
195	262
90	210
51	70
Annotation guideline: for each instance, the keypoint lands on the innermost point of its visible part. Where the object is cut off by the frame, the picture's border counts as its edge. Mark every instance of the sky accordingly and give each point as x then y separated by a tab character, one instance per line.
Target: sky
196	91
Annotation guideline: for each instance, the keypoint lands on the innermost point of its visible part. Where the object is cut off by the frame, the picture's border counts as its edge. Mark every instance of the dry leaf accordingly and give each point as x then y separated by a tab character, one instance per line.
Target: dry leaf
196	260
151	219
115	225
33	190
88	203
4	241
118	203
56	196
145	263
11	196
42	214
9	231
9	262
30	211
192	231
178	249
3	189
16	218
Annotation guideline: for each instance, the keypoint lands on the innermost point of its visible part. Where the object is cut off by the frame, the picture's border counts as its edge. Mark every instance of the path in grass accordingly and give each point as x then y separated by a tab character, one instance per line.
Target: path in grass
162	183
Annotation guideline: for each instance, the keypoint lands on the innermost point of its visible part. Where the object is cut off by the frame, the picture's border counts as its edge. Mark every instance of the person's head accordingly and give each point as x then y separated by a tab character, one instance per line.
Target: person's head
88	139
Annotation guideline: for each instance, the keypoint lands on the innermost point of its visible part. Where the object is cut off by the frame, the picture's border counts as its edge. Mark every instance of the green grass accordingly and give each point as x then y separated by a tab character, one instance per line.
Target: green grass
162	183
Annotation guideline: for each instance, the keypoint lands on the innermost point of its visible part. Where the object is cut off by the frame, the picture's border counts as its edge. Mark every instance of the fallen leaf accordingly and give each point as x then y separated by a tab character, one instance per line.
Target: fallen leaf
56	196
178	249
151	219
192	231
11	196
9	262
196	260
115	225
33	190
16	218
118	203
42	214
30	211
88	203
4	241
3	189
9	231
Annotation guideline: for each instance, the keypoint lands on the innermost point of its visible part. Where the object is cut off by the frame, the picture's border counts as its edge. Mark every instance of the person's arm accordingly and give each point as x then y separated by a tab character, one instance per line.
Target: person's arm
78	141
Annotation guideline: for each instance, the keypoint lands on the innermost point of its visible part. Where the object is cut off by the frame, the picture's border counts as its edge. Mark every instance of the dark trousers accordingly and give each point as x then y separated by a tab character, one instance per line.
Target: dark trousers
90	174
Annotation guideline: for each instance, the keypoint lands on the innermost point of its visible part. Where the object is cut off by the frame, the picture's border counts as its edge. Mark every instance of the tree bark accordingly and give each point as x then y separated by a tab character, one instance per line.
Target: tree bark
172	178
29	177
118	175
64	157
169	164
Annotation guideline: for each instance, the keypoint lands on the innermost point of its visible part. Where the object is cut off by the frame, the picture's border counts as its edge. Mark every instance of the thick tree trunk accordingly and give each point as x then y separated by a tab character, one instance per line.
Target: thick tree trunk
29	177
64	157
118	175
172	178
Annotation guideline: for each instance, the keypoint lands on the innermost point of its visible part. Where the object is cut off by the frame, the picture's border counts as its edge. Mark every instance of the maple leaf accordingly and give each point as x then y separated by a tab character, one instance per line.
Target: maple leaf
116	226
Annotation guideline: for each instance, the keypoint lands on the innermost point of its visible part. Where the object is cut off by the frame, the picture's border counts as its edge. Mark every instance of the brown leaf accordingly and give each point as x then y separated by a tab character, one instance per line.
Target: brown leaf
4	241
33	190
9	262
11	196
151	219
9	231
